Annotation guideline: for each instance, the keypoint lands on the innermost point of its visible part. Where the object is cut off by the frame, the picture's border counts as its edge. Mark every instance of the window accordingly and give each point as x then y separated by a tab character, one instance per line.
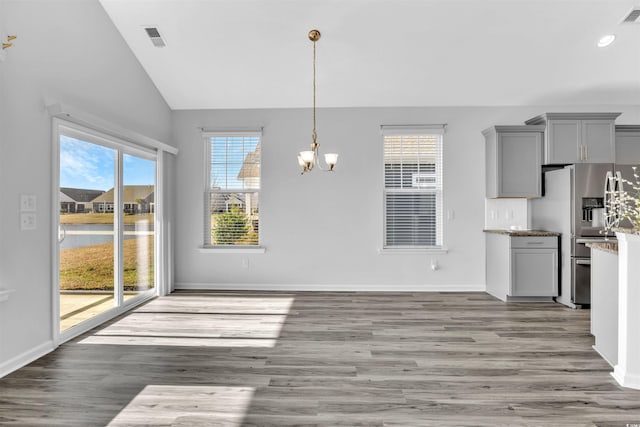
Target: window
412	186
233	189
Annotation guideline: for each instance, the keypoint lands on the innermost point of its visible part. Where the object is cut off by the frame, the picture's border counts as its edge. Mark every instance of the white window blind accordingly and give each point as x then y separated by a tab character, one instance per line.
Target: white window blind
413	187
232	214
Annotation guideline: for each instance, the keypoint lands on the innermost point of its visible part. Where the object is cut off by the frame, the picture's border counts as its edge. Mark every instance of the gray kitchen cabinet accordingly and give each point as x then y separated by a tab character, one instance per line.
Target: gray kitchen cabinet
628	145
577	137
521	267
513	160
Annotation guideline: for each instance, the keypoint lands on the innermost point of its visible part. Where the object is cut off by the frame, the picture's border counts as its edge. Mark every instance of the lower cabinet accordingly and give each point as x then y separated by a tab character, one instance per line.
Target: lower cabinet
604	303
522	267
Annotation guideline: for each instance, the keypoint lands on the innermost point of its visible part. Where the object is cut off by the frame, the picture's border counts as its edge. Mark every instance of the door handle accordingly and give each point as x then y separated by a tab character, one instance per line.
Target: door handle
583	262
62	233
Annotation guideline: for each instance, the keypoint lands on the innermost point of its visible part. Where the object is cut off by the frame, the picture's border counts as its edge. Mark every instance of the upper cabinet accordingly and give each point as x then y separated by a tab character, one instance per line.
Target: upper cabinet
628	145
577	137
513	161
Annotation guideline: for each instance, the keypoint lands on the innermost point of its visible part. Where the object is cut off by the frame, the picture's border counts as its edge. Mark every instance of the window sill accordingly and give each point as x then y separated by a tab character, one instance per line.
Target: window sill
232	250
412	251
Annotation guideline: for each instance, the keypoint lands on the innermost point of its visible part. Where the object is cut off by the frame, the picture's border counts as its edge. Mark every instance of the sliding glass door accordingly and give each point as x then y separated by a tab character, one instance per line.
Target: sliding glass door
106	220
139	234
86	230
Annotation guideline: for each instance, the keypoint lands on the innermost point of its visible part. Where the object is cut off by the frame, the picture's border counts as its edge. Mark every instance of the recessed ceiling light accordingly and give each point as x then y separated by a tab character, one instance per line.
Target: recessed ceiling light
606	40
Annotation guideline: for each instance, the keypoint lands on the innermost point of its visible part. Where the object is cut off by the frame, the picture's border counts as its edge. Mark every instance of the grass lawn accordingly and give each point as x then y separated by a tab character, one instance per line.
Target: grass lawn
102	218
91	267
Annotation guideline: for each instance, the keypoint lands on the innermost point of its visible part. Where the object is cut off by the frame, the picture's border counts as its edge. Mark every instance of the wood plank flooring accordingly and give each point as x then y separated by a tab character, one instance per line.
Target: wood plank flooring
325	359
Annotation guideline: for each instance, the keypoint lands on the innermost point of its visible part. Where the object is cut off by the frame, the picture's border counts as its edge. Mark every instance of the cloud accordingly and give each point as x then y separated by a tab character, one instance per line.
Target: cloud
86	165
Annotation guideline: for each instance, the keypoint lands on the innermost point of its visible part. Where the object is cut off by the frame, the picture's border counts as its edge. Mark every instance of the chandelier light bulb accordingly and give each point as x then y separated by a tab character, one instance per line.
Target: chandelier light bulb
307	156
331	159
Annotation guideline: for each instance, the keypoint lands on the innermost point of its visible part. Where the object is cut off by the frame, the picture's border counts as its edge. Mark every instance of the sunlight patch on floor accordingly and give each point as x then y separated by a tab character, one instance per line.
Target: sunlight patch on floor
179	341
186	406
201	322
77	307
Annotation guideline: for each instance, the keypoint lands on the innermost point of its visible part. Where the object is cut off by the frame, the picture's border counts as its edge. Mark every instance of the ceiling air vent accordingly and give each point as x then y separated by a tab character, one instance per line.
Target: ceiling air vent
633	16
155	36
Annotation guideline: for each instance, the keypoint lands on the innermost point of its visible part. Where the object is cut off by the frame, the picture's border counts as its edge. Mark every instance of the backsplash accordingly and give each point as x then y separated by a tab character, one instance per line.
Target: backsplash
506	214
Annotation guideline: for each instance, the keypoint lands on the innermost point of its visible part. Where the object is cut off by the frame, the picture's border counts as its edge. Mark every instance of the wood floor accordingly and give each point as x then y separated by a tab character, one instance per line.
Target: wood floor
326	359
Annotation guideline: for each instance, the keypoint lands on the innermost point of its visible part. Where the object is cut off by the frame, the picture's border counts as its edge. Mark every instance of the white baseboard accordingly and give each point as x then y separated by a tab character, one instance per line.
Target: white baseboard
25	358
326	287
625	378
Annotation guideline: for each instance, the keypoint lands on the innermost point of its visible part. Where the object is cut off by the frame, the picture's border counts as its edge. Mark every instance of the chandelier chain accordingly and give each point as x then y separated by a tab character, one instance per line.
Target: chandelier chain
314	93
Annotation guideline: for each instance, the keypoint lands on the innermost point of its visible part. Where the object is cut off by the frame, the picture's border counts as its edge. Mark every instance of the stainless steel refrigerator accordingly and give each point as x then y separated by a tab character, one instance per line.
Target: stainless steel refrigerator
573	205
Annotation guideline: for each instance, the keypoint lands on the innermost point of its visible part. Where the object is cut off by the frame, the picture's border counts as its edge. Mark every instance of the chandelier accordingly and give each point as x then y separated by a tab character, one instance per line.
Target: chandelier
309	159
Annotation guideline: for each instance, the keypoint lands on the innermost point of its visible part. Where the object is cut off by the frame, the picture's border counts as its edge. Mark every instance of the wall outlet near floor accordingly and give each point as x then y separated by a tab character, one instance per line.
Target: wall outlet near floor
27	221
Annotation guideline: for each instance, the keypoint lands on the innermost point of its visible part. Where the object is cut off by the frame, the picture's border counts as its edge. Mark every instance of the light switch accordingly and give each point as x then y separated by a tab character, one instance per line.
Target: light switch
27	221
27	203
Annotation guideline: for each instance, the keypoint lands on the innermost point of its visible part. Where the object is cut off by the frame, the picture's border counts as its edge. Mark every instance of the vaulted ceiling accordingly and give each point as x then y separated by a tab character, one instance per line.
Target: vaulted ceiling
256	54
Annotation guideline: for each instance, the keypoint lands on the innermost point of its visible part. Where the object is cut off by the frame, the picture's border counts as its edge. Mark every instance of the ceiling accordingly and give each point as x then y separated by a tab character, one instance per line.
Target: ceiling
256	54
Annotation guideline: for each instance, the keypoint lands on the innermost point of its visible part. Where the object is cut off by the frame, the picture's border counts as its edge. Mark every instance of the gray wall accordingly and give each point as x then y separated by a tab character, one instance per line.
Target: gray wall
323	231
67	51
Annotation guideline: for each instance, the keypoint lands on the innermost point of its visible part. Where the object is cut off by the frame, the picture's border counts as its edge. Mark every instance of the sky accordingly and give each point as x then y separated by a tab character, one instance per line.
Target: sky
90	166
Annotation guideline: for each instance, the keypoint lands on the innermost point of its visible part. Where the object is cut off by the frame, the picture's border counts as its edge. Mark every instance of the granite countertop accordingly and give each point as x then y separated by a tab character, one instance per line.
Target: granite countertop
627	230
524	232
607	247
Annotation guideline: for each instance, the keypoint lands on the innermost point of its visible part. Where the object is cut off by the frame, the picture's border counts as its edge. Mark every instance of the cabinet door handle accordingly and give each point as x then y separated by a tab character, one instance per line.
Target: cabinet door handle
535	243
586	152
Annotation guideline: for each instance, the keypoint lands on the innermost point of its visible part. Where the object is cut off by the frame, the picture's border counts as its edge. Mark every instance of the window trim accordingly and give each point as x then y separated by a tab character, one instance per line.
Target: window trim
206	246
405	130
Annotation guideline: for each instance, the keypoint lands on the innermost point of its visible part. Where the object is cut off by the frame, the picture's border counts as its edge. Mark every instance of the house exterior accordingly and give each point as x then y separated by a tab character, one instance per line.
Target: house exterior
77	200
138	199
249	174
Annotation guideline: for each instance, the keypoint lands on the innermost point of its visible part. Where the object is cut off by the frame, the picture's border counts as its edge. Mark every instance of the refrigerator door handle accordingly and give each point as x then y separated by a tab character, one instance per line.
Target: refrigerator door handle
619	181
608	184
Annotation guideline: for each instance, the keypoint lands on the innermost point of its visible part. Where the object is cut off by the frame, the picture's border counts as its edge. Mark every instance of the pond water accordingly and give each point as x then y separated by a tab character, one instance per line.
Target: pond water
79	235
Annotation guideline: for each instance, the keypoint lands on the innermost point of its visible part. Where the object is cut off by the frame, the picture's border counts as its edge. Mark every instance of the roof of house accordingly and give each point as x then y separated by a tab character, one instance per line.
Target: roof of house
79	194
65	199
132	193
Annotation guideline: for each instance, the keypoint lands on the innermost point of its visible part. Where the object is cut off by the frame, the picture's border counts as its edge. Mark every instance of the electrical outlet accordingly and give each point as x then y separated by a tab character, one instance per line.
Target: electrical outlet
27	203
27	221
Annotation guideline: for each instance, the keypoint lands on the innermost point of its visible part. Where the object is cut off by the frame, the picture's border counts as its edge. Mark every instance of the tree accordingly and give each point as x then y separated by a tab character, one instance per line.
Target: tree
230	227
